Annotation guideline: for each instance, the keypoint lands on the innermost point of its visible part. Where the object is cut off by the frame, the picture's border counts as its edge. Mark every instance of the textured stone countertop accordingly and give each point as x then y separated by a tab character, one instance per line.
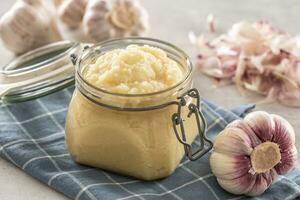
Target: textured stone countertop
172	20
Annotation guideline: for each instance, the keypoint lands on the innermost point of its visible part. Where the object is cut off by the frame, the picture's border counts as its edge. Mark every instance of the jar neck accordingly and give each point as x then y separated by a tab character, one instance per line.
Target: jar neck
138	103
132	101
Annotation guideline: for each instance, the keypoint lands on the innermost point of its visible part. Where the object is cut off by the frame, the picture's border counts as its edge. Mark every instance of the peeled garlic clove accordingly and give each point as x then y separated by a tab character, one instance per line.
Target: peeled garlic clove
71	12
232	166
28	25
262	124
237	143
95	24
272	152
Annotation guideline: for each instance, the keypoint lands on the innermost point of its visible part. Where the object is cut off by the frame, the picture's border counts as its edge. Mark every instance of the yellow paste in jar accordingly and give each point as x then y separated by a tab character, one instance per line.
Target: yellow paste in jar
134	70
141	144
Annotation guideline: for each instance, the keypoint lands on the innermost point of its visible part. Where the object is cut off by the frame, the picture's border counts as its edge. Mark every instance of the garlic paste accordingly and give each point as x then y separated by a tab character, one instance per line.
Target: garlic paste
134	70
141	144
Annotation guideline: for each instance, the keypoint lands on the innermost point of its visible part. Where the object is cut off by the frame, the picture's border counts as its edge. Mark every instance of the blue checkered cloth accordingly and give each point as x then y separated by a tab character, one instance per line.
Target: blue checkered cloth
32	138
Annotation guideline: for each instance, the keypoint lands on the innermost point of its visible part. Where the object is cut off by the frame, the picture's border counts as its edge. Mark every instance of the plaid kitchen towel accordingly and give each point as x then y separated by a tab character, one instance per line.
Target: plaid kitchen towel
32	138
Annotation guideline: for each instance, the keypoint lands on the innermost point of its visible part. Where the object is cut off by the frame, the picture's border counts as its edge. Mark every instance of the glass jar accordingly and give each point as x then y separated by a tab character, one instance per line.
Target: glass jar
139	135
38	72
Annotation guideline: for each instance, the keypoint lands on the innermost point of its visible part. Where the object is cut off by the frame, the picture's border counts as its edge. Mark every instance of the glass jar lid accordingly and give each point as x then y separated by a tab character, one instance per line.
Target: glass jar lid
38	72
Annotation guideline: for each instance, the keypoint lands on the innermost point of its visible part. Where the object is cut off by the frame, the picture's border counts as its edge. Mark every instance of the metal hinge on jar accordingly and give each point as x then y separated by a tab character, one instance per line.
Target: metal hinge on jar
205	143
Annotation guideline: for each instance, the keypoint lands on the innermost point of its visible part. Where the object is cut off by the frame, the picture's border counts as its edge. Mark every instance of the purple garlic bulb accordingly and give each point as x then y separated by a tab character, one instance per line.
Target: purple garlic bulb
249	154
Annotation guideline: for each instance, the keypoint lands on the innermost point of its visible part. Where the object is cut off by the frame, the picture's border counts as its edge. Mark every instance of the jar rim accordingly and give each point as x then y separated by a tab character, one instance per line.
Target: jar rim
112	41
51	61
11	69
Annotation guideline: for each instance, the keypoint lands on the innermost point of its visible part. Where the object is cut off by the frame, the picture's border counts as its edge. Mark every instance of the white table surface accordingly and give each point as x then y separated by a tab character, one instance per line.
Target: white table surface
171	20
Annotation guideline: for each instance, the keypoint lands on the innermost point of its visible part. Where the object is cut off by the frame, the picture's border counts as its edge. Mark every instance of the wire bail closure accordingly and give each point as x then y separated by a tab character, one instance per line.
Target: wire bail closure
205	143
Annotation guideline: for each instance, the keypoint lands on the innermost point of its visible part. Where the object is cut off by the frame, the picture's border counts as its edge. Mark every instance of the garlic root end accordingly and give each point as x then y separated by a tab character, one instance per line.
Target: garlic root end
264	157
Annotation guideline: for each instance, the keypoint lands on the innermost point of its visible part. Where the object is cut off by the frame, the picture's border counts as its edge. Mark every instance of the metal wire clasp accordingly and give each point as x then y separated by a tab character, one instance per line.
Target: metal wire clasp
205	143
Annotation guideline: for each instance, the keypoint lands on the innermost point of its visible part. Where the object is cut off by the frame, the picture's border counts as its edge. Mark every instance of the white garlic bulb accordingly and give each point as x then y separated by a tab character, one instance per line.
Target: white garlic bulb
95	24
98	20
71	12
249	154
128	17
29	24
57	3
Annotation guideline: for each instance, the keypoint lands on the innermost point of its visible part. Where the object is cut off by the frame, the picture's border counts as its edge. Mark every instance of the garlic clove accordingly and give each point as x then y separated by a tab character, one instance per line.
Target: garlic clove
71	12
46	13
262	182
123	15
270	176
241	185
143	23
262	124
288	161
57	3
237	143
232	167
28	25
284	134
259	186
95	23
242	125
251	185
97	20
128	17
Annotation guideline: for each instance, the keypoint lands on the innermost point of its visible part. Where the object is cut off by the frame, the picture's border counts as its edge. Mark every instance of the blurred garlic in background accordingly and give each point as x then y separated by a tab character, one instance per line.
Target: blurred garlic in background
128	18
71	12
29	24
98	20
69	20
95	17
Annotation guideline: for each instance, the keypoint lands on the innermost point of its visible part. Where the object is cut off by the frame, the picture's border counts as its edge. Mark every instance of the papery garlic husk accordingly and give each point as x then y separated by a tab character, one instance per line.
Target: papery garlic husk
257	57
29	24
71	12
249	154
57	3
128	17
102	20
96	26
109	19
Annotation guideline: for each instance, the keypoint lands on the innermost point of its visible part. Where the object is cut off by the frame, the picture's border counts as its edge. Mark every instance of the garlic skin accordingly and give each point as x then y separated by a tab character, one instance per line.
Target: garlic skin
128	17
257	57
249	154
71	12
29	24
108	19
95	24
98	20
